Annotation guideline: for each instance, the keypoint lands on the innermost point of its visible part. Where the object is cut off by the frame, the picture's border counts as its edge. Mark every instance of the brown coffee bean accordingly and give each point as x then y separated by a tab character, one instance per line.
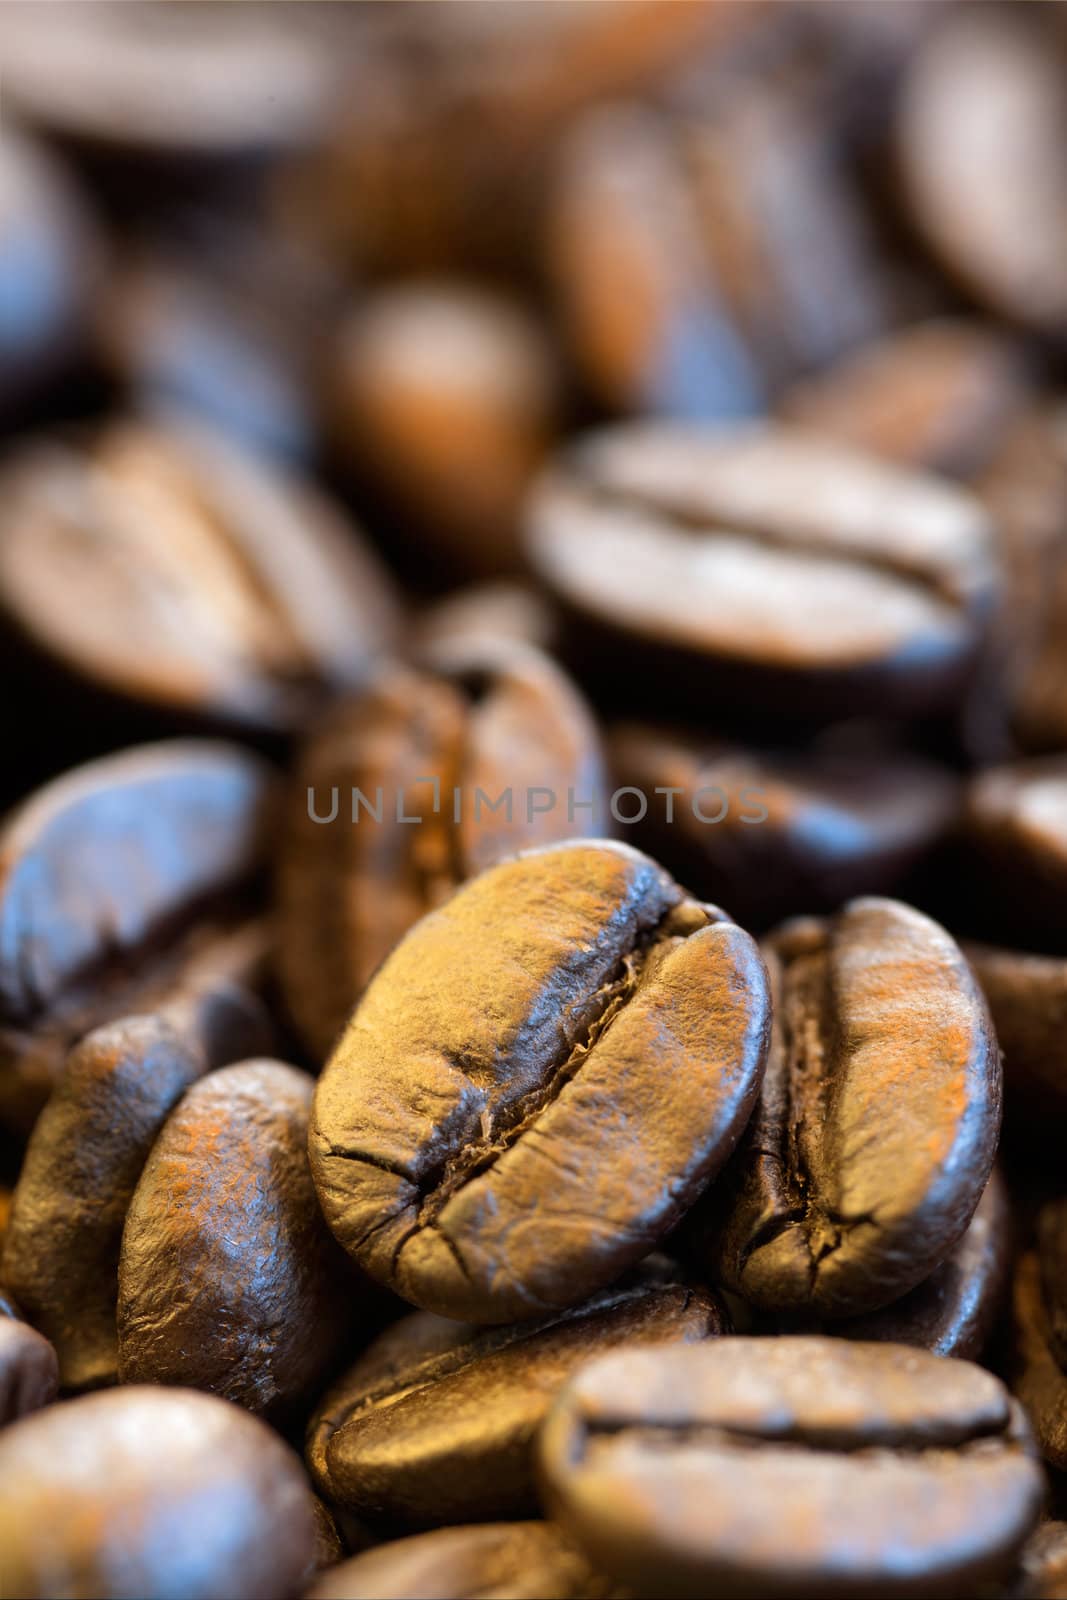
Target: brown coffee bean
228	1279
150	1492
791	1467
773	833
116	885
1027	997
29	1371
165	568
85	1157
1052	1256
435	1423
937	395
512	611
953	1311
980	126
1015	823
445	397
877	1122
497	724
1043	1565
538	1082
520	1560
764	566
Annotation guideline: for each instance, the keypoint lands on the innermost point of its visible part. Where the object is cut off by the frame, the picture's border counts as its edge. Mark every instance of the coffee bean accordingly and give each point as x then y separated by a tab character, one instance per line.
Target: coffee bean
835	1204
85	1156
506	610
764	566
116	883
29	1371
636	289
937	395
256	603
1043	1565
228	1280
141	1492
51	261
497	725
445	398
980	124
538	1082
1052	1255
1037	1377
953	1311
791	1467
435	1422
1016	825
1027	997
522	1560
772	833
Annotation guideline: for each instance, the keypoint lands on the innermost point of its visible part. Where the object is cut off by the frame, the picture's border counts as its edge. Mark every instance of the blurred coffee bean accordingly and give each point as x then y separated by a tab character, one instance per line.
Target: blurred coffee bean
763	567
183	343
444	396
523	1560
441	159
49	266
162	566
980	128
538	1082
1025	489
375	835
145	1492
936	395
791	1467
329	1545
1027	997
85	1157
435	1423
1042	1565
636	292
29	1372
832	1204
504	610
1052	1256
228	1279
1037	1377
953	1311
1015	825
770	834
118	887
102	75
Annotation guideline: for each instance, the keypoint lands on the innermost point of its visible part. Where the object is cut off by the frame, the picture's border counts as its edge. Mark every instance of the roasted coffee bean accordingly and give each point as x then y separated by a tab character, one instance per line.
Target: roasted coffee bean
519	1560
1037	1377
115	883
636	290
937	394
29	1371
1016	826
1042	1566
773	833
401	795
537	1084
168	570
435	1423
1027	997
50	264
144	1492
953	1311
980	126
445	396
505	610
877	1122
102	76
791	1467
85	1156
764	566
228	1279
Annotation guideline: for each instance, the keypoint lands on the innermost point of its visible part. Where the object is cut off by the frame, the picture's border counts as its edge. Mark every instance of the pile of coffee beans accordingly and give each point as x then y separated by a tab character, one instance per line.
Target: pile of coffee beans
533	819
